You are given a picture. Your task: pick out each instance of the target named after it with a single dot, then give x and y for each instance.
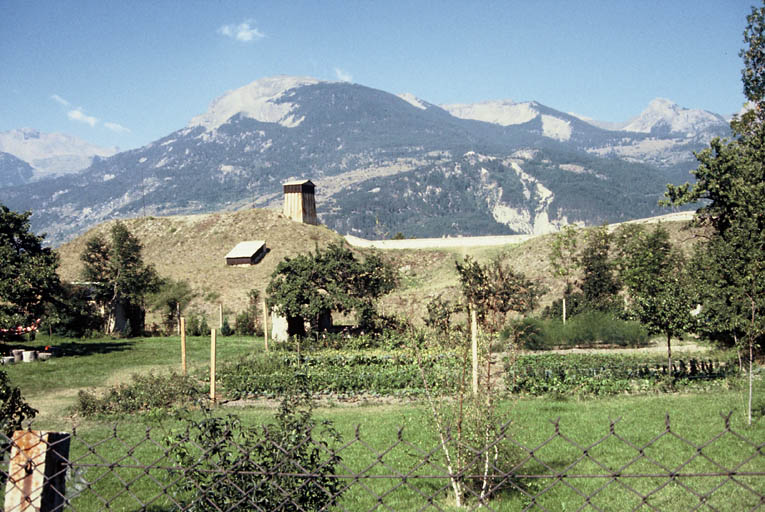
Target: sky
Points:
(125, 73)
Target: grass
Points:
(640, 420)
(51, 386)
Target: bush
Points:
(226, 329)
(144, 393)
(245, 323)
(589, 328)
(230, 466)
(196, 325)
(13, 409)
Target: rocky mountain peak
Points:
(262, 100)
(666, 116)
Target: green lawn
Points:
(379, 450)
(51, 386)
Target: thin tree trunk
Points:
(564, 309)
(751, 359)
(474, 346)
(669, 353)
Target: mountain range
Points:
(47, 154)
(382, 163)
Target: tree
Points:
(563, 258)
(28, 277)
(120, 279)
(247, 320)
(730, 183)
(171, 300)
(13, 409)
(599, 284)
(496, 289)
(656, 279)
(312, 286)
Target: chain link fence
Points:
(136, 468)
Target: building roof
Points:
(298, 182)
(246, 249)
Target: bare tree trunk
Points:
(669, 353)
(751, 359)
(474, 346)
(564, 309)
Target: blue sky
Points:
(124, 73)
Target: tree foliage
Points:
(496, 289)
(28, 277)
(119, 277)
(730, 184)
(599, 285)
(13, 409)
(170, 300)
(310, 286)
(563, 257)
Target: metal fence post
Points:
(37, 471)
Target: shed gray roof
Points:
(246, 249)
(298, 182)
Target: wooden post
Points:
(182, 326)
(474, 346)
(37, 471)
(212, 365)
(178, 316)
(265, 322)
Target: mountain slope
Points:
(51, 154)
(543, 170)
(14, 171)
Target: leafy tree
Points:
(171, 300)
(656, 278)
(599, 284)
(311, 286)
(730, 183)
(440, 312)
(70, 312)
(564, 260)
(120, 278)
(496, 289)
(247, 320)
(28, 277)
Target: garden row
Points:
(606, 374)
(343, 373)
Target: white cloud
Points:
(343, 75)
(58, 99)
(243, 32)
(78, 115)
(116, 127)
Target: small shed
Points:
(300, 201)
(246, 253)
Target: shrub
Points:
(226, 329)
(144, 393)
(230, 466)
(197, 325)
(245, 323)
(589, 328)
